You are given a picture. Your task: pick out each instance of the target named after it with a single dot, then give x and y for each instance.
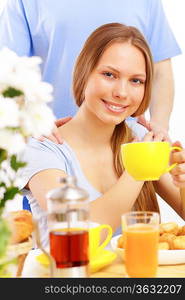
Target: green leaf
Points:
(2, 184)
(15, 164)
(3, 155)
(12, 92)
(11, 192)
(8, 195)
(4, 236)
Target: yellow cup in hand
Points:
(147, 160)
(95, 243)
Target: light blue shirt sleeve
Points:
(40, 156)
(160, 36)
(14, 29)
(138, 130)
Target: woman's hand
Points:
(155, 128)
(153, 137)
(178, 173)
(55, 135)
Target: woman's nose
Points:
(120, 90)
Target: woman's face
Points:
(115, 88)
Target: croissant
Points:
(171, 236)
(21, 225)
(181, 230)
(179, 242)
(168, 238)
(170, 227)
(163, 246)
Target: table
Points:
(117, 269)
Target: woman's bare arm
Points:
(106, 209)
(169, 192)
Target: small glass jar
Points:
(68, 216)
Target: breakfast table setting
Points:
(117, 269)
(109, 263)
(107, 258)
(111, 266)
(145, 247)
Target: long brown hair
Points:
(94, 47)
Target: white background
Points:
(175, 12)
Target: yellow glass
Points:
(147, 160)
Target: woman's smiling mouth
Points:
(114, 107)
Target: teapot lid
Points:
(69, 191)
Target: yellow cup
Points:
(147, 160)
(95, 243)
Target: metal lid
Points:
(68, 192)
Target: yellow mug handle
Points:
(108, 238)
(173, 165)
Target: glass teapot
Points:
(68, 215)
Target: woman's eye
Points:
(108, 74)
(137, 81)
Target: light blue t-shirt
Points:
(56, 30)
(48, 155)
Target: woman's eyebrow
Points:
(111, 68)
(143, 75)
(118, 71)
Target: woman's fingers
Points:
(177, 144)
(179, 184)
(178, 169)
(177, 156)
(54, 136)
(62, 121)
(135, 140)
(149, 137)
(155, 137)
(159, 130)
(178, 172)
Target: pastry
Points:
(163, 246)
(170, 227)
(121, 242)
(167, 237)
(181, 230)
(21, 225)
(171, 236)
(179, 242)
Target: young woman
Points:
(111, 81)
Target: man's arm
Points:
(162, 95)
(162, 98)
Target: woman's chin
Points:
(113, 121)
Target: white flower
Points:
(38, 92)
(29, 112)
(37, 119)
(4, 178)
(8, 169)
(9, 113)
(18, 181)
(24, 74)
(12, 142)
(12, 64)
(2, 191)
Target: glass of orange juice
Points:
(141, 234)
